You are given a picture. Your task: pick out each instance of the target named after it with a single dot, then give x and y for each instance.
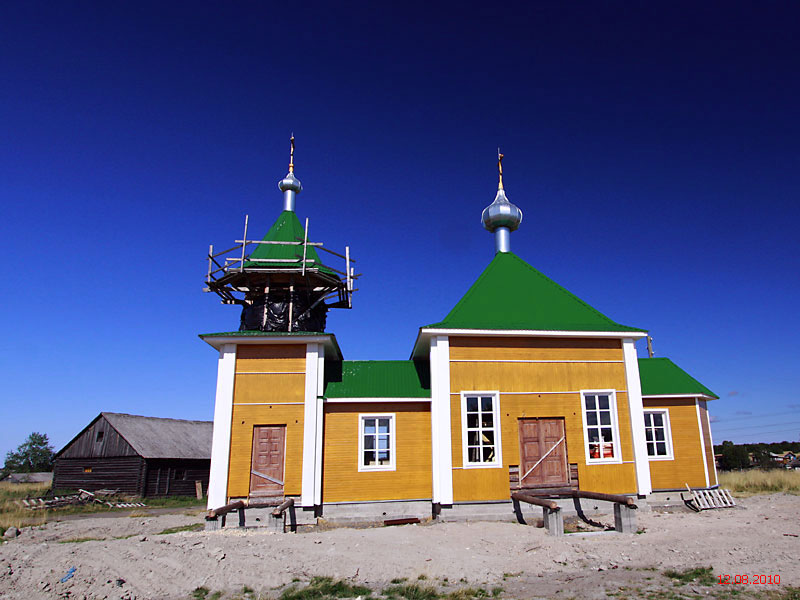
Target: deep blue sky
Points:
(653, 148)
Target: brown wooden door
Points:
(543, 453)
(266, 467)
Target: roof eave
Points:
(666, 396)
(422, 343)
(328, 340)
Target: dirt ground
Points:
(127, 557)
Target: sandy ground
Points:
(522, 560)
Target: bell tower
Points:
(280, 281)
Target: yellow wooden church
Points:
(546, 395)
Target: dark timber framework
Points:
(280, 294)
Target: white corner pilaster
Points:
(313, 351)
(221, 438)
(702, 440)
(711, 441)
(441, 435)
(636, 408)
(319, 426)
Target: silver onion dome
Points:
(501, 213)
(290, 185)
(501, 217)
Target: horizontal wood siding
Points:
(343, 482)
(706, 425)
(122, 473)
(175, 477)
(87, 446)
(252, 396)
(687, 466)
(489, 372)
(483, 348)
(537, 377)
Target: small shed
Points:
(40, 477)
(145, 456)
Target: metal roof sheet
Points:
(662, 377)
(287, 228)
(378, 379)
(511, 294)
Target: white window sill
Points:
(482, 466)
(604, 461)
(363, 469)
(660, 458)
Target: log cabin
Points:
(141, 456)
(521, 386)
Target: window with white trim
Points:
(600, 427)
(657, 434)
(480, 431)
(376, 446)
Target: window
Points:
(376, 447)
(99, 437)
(480, 435)
(600, 427)
(657, 434)
(87, 469)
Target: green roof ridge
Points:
(377, 379)
(495, 301)
(287, 228)
(662, 377)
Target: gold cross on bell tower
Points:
(291, 154)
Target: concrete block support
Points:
(276, 524)
(624, 518)
(553, 521)
(212, 524)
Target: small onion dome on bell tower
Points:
(290, 185)
(501, 217)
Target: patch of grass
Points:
(200, 593)
(422, 577)
(412, 591)
(700, 575)
(190, 527)
(13, 515)
(756, 481)
(325, 587)
(80, 540)
(474, 593)
(215, 596)
(397, 580)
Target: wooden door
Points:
(267, 464)
(543, 453)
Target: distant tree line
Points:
(744, 456)
(34, 455)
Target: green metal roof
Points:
(286, 229)
(662, 377)
(377, 379)
(511, 294)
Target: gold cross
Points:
(500, 168)
(291, 154)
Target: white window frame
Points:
(498, 453)
(392, 466)
(612, 405)
(667, 434)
